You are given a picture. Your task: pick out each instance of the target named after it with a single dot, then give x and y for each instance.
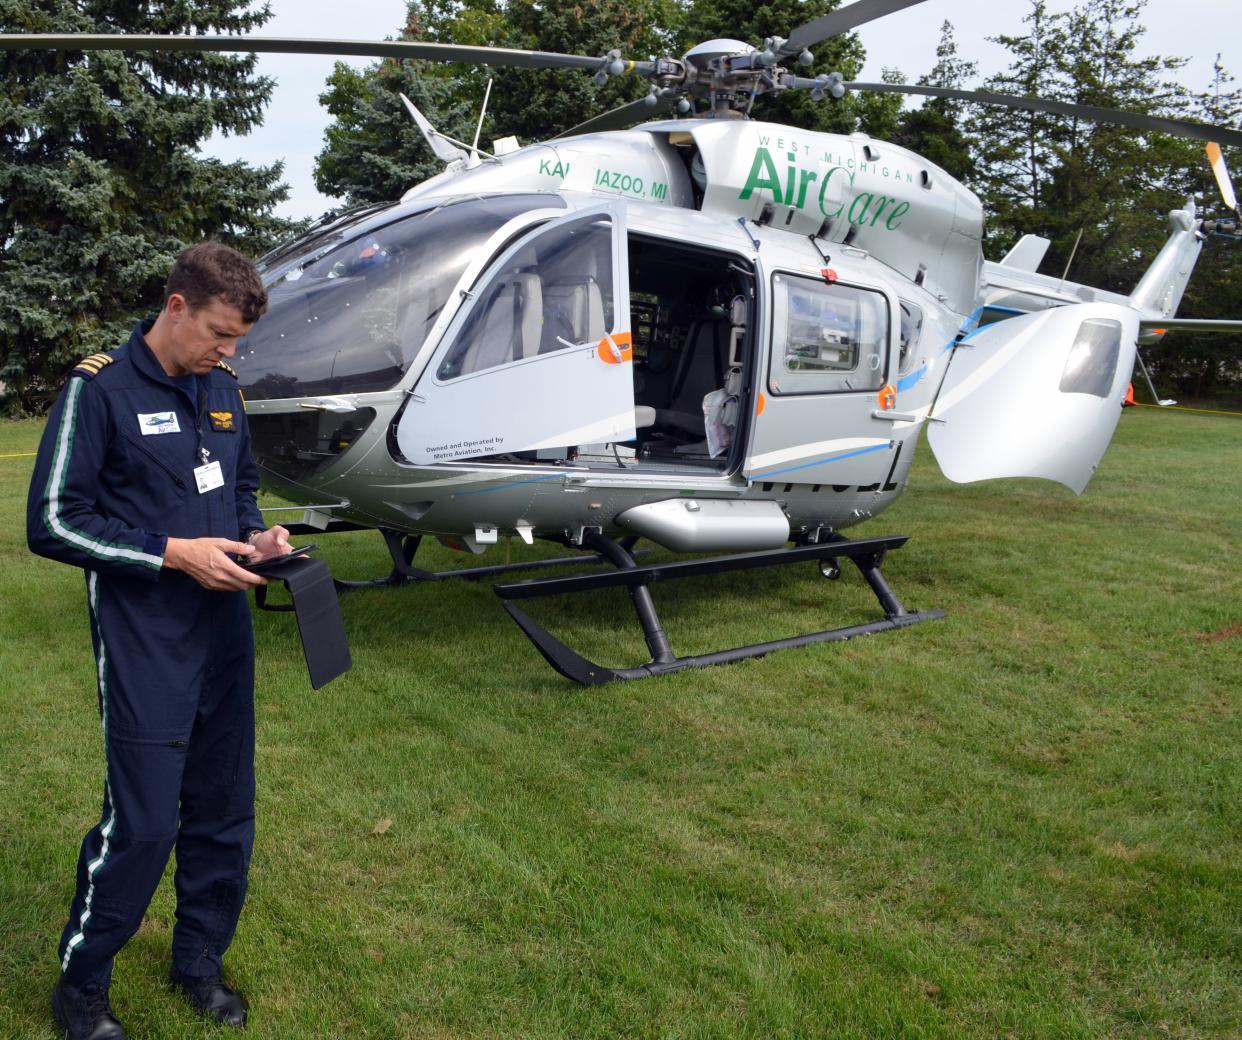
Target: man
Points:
(145, 479)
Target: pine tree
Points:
(373, 151)
(1208, 366)
(1109, 182)
(1098, 191)
(1102, 192)
(100, 183)
(1015, 158)
(934, 130)
(534, 104)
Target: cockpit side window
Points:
(911, 330)
(348, 313)
(553, 292)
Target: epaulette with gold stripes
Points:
(226, 368)
(89, 368)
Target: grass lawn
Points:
(1021, 821)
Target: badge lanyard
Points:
(208, 476)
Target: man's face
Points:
(200, 338)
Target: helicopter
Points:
(713, 333)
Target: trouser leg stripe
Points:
(105, 833)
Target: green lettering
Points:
(823, 190)
(807, 177)
(861, 214)
(763, 174)
(897, 212)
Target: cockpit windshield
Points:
(349, 306)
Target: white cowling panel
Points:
(1035, 396)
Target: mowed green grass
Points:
(1021, 821)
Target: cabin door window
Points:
(539, 360)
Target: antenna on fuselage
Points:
(450, 153)
(1073, 253)
(473, 161)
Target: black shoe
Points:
(210, 997)
(83, 1013)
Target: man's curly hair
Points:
(210, 270)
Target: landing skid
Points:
(866, 554)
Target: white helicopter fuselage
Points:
(713, 334)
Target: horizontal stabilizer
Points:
(1161, 325)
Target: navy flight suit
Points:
(113, 481)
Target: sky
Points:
(294, 122)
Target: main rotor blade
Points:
(622, 117)
(1176, 127)
(296, 45)
(841, 21)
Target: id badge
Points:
(209, 477)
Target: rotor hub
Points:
(707, 57)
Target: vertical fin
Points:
(1160, 289)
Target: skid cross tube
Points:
(402, 547)
(866, 554)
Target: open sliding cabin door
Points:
(814, 421)
(540, 358)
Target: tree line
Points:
(102, 183)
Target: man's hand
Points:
(271, 543)
(206, 560)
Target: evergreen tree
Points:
(100, 183)
(1015, 157)
(373, 151)
(534, 104)
(934, 130)
(1101, 192)
(1109, 182)
(1097, 190)
(1208, 366)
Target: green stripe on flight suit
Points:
(52, 520)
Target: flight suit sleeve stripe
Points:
(55, 523)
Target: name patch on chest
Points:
(222, 422)
(154, 423)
